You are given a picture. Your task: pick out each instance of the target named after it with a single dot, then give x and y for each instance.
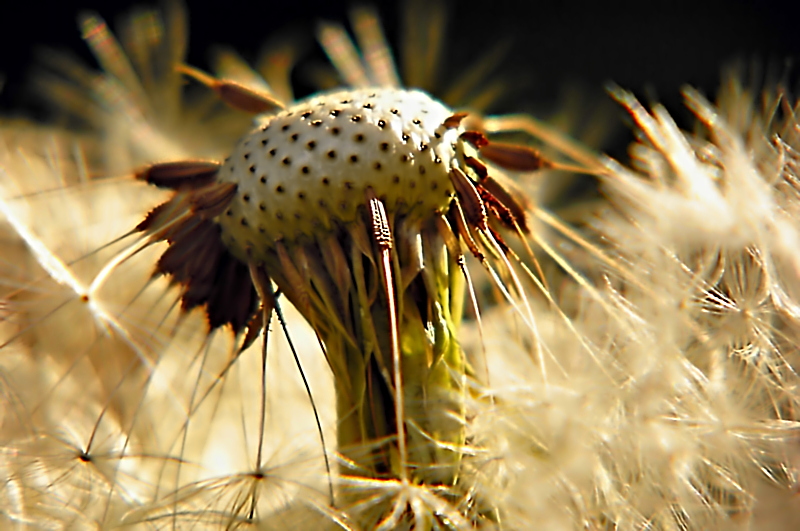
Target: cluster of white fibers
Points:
(116, 409)
(670, 399)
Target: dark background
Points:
(651, 47)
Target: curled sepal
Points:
(197, 259)
(512, 157)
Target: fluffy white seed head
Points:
(308, 167)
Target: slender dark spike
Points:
(219, 378)
(513, 157)
(282, 321)
(592, 163)
(95, 182)
(477, 166)
(511, 197)
(138, 294)
(101, 248)
(498, 210)
(463, 231)
(127, 440)
(470, 199)
(178, 322)
(382, 234)
(234, 94)
(180, 175)
(167, 220)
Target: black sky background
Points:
(650, 47)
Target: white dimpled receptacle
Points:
(308, 167)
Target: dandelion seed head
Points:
(307, 168)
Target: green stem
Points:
(433, 369)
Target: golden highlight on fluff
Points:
(187, 343)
